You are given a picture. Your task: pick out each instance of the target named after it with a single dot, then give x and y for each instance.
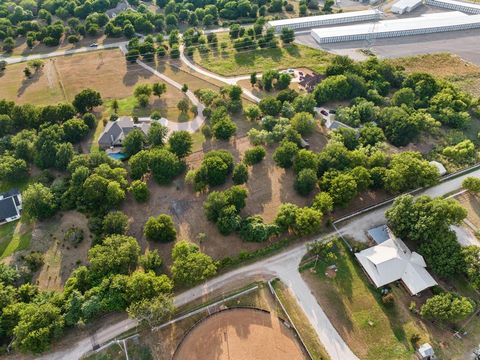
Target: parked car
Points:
(93, 45)
(324, 112)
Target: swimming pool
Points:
(118, 156)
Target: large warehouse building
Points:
(465, 7)
(425, 24)
(405, 6)
(322, 20)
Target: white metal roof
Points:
(306, 19)
(427, 21)
(406, 4)
(455, 3)
(392, 260)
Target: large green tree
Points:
(190, 266)
(38, 202)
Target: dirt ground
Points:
(472, 204)
(60, 256)
(240, 334)
(269, 186)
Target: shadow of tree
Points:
(26, 82)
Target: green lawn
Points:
(14, 236)
(229, 62)
(371, 329)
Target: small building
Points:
(392, 260)
(116, 131)
(463, 6)
(405, 6)
(425, 352)
(10, 206)
(441, 169)
(379, 234)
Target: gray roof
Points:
(379, 234)
(7, 208)
(115, 131)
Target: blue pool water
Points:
(118, 156)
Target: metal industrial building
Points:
(466, 7)
(405, 6)
(425, 24)
(322, 20)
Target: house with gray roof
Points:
(116, 131)
(10, 206)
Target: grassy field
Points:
(14, 236)
(229, 62)
(372, 330)
(301, 322)
(447, 66)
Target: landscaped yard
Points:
(372, 330)
(229, 62)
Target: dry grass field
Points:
(447, 66)
(269, 186)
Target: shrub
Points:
(254, 155)
(161, 228)
(140, 190)
(240, 174)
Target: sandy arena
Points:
(240, 334)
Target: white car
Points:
(93, 45)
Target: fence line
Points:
(274, 293)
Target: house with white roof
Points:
(391, 261)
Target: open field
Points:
(447, 66)
(269, 186)
(239, 334)
(301, 322)
(229, 62)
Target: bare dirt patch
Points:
(240, 334)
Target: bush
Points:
(74, 235)
(306, 181)
(34, 261)
(254, 229)
(140, 190)
(254, 155)
(161, 228)
(115, 222)
(240, 174)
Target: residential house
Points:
(116, 131)
(10, 206)
(391, 260)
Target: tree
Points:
(343, 189)
(270, 106)
(306, 181)
(252, 112)
(75, 130)
(287, 35)
(304, 103)
(253, 79)
(323, 202)
(408, 170)
(151, 261)
(324, 250)
(146, 285)
(404, 96)
(305, 159)
(38, 202)
(190, 266)
(12, 169)
(159, 89)
(86, 100)
(164, 165)
(304, 123)
(229, 220)
(362, 178)
(254, 155)
(218, 200)
(180, 143)
(285, 219)
(285, 154)
(240, 174)
(254, 229)
(161, 228)
(115, 222)
(308, 221)
(37, 326)
(27, 72)
(371, 135)
(471, 184)
(215, 168)
(423, 219)
(8, 44)
(447, 307)
(183, 106)
(117, 254)
(327, 6)
(139, 190)
(157, 134)
(224, 129)
(471, 257)
(154, 311)
(461, 153)
(139, 164)
(184, 88)
(64, 155)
